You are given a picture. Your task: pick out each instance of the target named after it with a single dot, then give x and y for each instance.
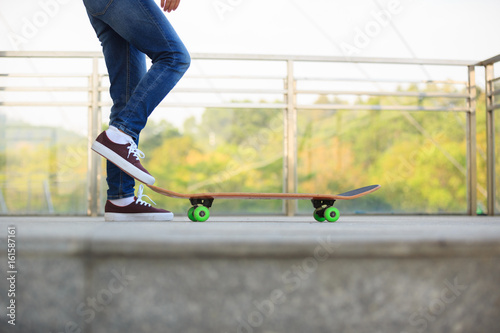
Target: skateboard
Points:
(322, 203)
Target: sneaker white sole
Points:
(122, 163)
(138, 217)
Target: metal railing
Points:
(290, 93)
(491, 106)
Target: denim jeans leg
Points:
(128, 29)
(143, 24)
(126, 67)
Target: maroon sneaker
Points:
(126, 157)
(137, 211)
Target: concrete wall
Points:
(357, 275)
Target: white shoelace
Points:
(132, 149)
(140, 194)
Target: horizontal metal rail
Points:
(489, 61)
(494, 92)
(303, 106)
(222, 91)
(495, 107)
(45, 89)
(338, 59)
(215, 105)
(382, 93)
(312, 78)
(378, 108)
(233, 77)
(43, 104)
(256, 57)
(49, 54)
(314, 92)
(43, 75)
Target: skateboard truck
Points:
(317, 203)
(200, 212)
(203, 202)
(324, 210)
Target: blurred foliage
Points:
(419, 158)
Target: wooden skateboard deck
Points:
(323, 203)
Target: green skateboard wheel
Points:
(332, 214)
(201, 213)
(190, 214)
(318, 216)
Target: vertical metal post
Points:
(290, 141)
(471, 143)
(94, 125)
(490, 139)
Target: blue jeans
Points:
(128, 31)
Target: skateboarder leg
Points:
(128, 31)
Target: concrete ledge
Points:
(259, 274)
(260, 236)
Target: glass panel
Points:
(43, 135)
(222, 150)
(43, 169)
(419, 159)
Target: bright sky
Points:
(447, 29)
(454, 29)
